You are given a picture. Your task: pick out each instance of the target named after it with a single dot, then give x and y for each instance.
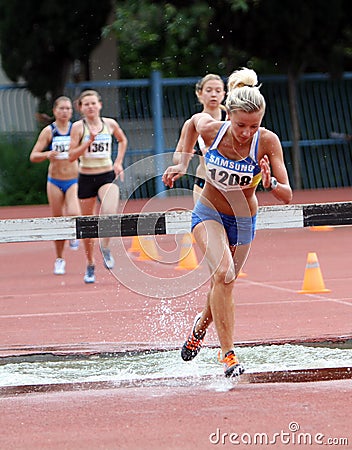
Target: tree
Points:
(292, 37)
(40, 39)
(172, 37)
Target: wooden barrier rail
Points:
(170, 222)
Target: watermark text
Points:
(292, 436)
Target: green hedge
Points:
(21, 182)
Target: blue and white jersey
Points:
(230, 174)
(60, 142)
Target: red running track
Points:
(41, 312)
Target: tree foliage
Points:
(180, 37)
(186, 38)
(39, 40)
(301, 37)
(172, 37)
(295, 37)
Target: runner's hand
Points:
(266, 172)
(173, 173)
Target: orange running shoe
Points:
(232, 368)
(192, 346)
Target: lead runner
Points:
(241, 153)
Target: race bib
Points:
(61, 144)
(100, 147)
(227, 174)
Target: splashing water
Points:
(150, 365)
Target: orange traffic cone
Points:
(313, 282)
(135, 245)
(242, 274)
(188, 257)
(321, 228)
(148, 249)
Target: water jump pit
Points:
(58, 370)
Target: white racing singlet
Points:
(229, 174)
(98, 154)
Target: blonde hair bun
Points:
(242, 77)
(243, 92)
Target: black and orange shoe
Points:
(192, 346)
(232, 368)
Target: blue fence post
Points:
(157, 104)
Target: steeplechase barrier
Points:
(161, 223)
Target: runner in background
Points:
(91, 144)
(210, 91)
(52, 144)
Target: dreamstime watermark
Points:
(292, 436)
